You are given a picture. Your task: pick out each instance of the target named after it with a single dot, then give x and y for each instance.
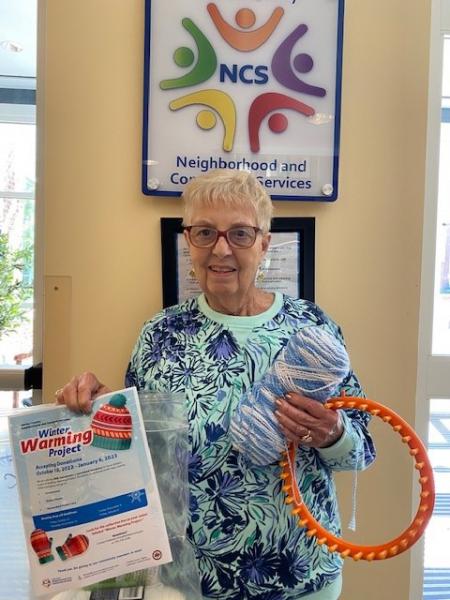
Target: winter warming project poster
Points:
(90, 504)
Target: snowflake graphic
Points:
(136, 496)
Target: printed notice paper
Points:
(87, 486)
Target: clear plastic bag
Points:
(166, 428)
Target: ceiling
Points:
(18, 28)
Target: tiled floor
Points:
(437, 537)
(436, 584)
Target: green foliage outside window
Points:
(15, 289)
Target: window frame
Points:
(433, 372)
(14, 377)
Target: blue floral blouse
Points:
(247, 543)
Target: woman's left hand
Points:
(307, 422)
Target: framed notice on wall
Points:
(247, 84)
(288, 266)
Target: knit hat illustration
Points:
(112, 426)
(42, 545)
(73, 546)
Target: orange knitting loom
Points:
(347, 549)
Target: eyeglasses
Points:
(237, 237)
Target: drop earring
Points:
(260, 276)
(192, 273)
(261, 272)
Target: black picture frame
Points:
(303, 235)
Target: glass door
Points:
(18, 310)
(17, 180)
(441, 313)
(433, 385)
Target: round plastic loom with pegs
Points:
(411, 534)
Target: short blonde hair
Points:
(230, 188)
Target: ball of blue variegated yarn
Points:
(314, 363)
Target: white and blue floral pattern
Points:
(247, 543)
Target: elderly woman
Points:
(215, 347)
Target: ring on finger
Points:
(58, 392)
(307, 437)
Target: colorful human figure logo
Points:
(206, 119)
(239, 38)
(303, 63)
(184, 57)
(287, 70)
(278, 122)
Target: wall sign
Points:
(247, 84)
(287, 268)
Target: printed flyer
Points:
(88, 493)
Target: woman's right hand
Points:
(80, 392)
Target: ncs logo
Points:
(243, 84)
(284, 65)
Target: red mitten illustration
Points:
(42, 545)
(73, 546)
